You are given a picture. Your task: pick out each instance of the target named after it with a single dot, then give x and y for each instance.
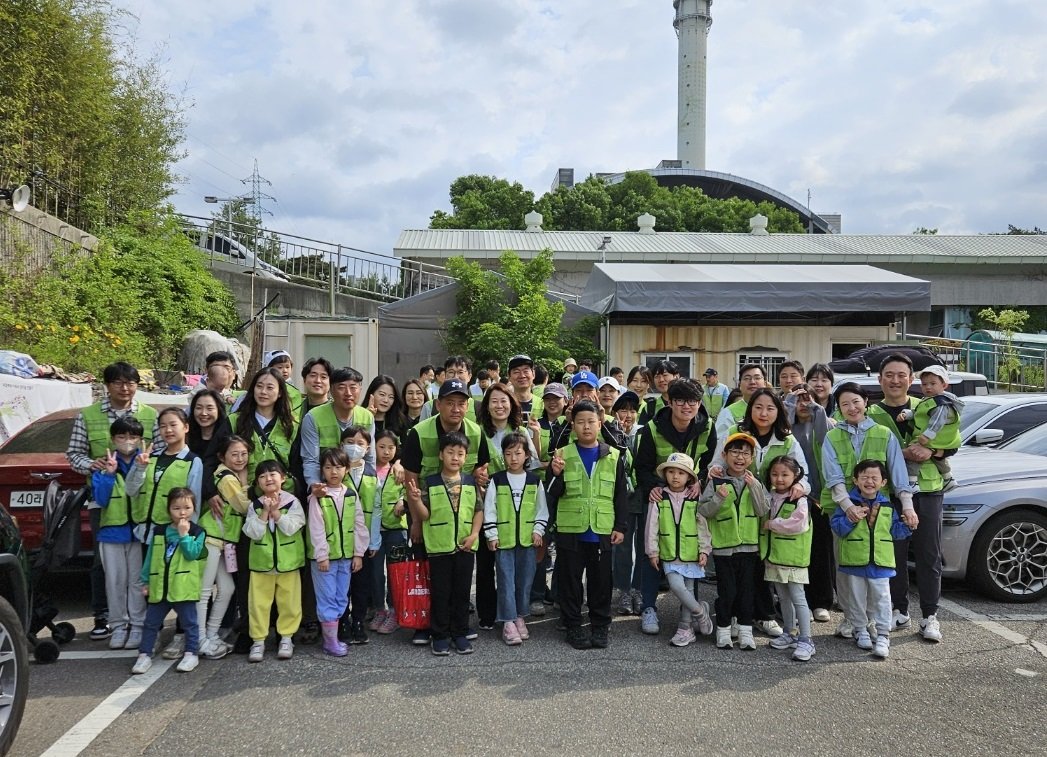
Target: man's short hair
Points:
(454, 360)
(748, 367)
(684, 389)
(665, 366)
(315, 361)
(896, 357)
(341, 375)
(219, 356)
(120, 371)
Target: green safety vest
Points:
(874, 447)
(862, 547)
(737, 410)
(150, 506)
(232, 521)
(274, 446)
(515, 527)
(295, 398)
(118, 511)
(949, 435)
(496, 461)
(649, 409)
(328, 427)
(663, 447)
(444, 531)
(275, 550)
(390, 494)
(545, 436)
(429, 442)
(176, 580)
(713, 403)
(340, 529)
(929, 479)
(97, 424)
(678, 540)
(587, 501)
(365, 493)
(788, 550)
(735, 523)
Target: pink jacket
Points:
(317, 534)
(705, 540)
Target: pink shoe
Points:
(521, 628)
(390, 624)
(510, 635)
(378, 619)
(331, 644)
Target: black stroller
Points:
(61, 543)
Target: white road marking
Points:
(1026, 673)
(101, 655)
(77, 738)
(984, 621)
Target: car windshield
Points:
(1032, 442)
(41, 436)
(973, 412)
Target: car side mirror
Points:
(987, 436)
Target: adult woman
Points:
(413, 398)
(820, 379)
(639, 380)
(384, 403)
(264, 418)
(208, 425)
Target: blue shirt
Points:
(102, 484)
(589, 457)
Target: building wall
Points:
(719, 346)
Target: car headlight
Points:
(956, 515)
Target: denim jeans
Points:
(628, 557)
(515, 569)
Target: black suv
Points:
(15, 607)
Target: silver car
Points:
(994, 527)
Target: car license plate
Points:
(26, 499)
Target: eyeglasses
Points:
(740, 452)
(689, 403)
(123, 384)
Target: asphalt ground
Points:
(983, 689)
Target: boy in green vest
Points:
(452, 516)
(170, 579)
(866, 531)
(936, 424)
(589, 503)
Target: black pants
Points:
(450, 579)
(99, 601)
(735, 578)
(573, 558)
(763, 600)
(927, 551)
(486, 594)
(361, 589)
(308, 595)
(822, 571)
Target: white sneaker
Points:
(134, 638)
(930, 629)
(745, 638)
(821, 615)
(863, 640)
(175, 649)
(257, 652)
(804, 650)
(119, 637)
(899, 620)
(142, 665)
(214, 648)
(723, 638)
(768, 627)
(286, 649)
(188, 663)
(883, 647)
(845, 630)
(784, 641)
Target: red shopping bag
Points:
(410, 580)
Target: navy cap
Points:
(452, 386)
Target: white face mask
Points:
(354, 451)
(127, 448)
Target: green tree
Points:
(500, 316)
(924, 231)
(1007, 322)
(484, 202)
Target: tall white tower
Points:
(693, 19)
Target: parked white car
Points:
(995, 419)
(222, 249)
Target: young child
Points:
(787, 555)
(388, 529)
(337, 542)
(277, 552)
(866, 531)
(628, 556)
(120, 552)
(223, 526)
(451, 522)
(515, 517)
(362, 479)
(936, 424)
(170, 579)
(678, 540)
(733, 506)
(590, 503)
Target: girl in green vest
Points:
(265, 419)
(388, 526)
(787, 554)
(678, 541)
(170, 578)
(866, 531)
(176, 466)
(515, 517)
(277, 553)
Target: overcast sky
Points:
(895, 113)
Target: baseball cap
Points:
(272, 355)
(682, 462)
(741, 436)
(628, 397)
(555, 390)
(938, 371)
(710, 372)
(610, 381)
(583, 377)
(452, 386)
(517, 360)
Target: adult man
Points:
(521, 378)
(896, 375)
(88, 452)
(420, 454)
(494, 374)
(682, 426)
(220, 375)
(715, 394)
(322, 426)
(456, 368)
(663, 373)
(750, 378)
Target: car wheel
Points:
(14, 674)
(1008, 559)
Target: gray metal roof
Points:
(671, 246)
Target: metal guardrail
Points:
(1011, 368)
(312, 262)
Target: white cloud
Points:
(362, 113)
